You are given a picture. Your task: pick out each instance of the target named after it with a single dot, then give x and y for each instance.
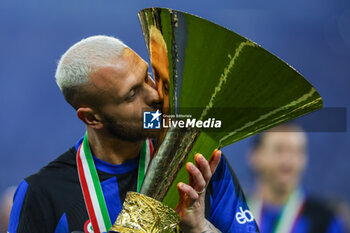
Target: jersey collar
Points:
(111, 168)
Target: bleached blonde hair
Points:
(84, 57)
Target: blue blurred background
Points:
(37, 124)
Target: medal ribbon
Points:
(289, 215)
(91, 187)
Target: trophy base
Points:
(142, 214)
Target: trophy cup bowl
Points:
(211, 74)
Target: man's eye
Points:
(131, 95)
(156, 74)
(166, 87)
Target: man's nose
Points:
(153, 98)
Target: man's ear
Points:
(89, 117)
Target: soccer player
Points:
(279, 203)
(107, 84)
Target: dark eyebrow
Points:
(155, 72)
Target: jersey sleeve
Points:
(228, 208)
(30, 211)
(336, 226)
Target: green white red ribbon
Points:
(290, 213)
(91, 187)
(145, 157)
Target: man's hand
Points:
(192, 196)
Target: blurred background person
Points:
(279, 203)
(6, 202)
(342, 209)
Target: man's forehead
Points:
(131, 54)
(285, 137)
(129, 62)
(120, 70)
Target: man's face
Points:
(124, 90)
(280, 159)
(160, 66)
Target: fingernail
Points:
(191, 166)
(201, 157)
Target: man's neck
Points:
(273, 196)
(112, 150)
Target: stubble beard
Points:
(128, 130)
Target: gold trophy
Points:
(208, 74)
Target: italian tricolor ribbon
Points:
(289, 216)
(91, 187)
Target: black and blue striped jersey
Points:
(52, 201)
